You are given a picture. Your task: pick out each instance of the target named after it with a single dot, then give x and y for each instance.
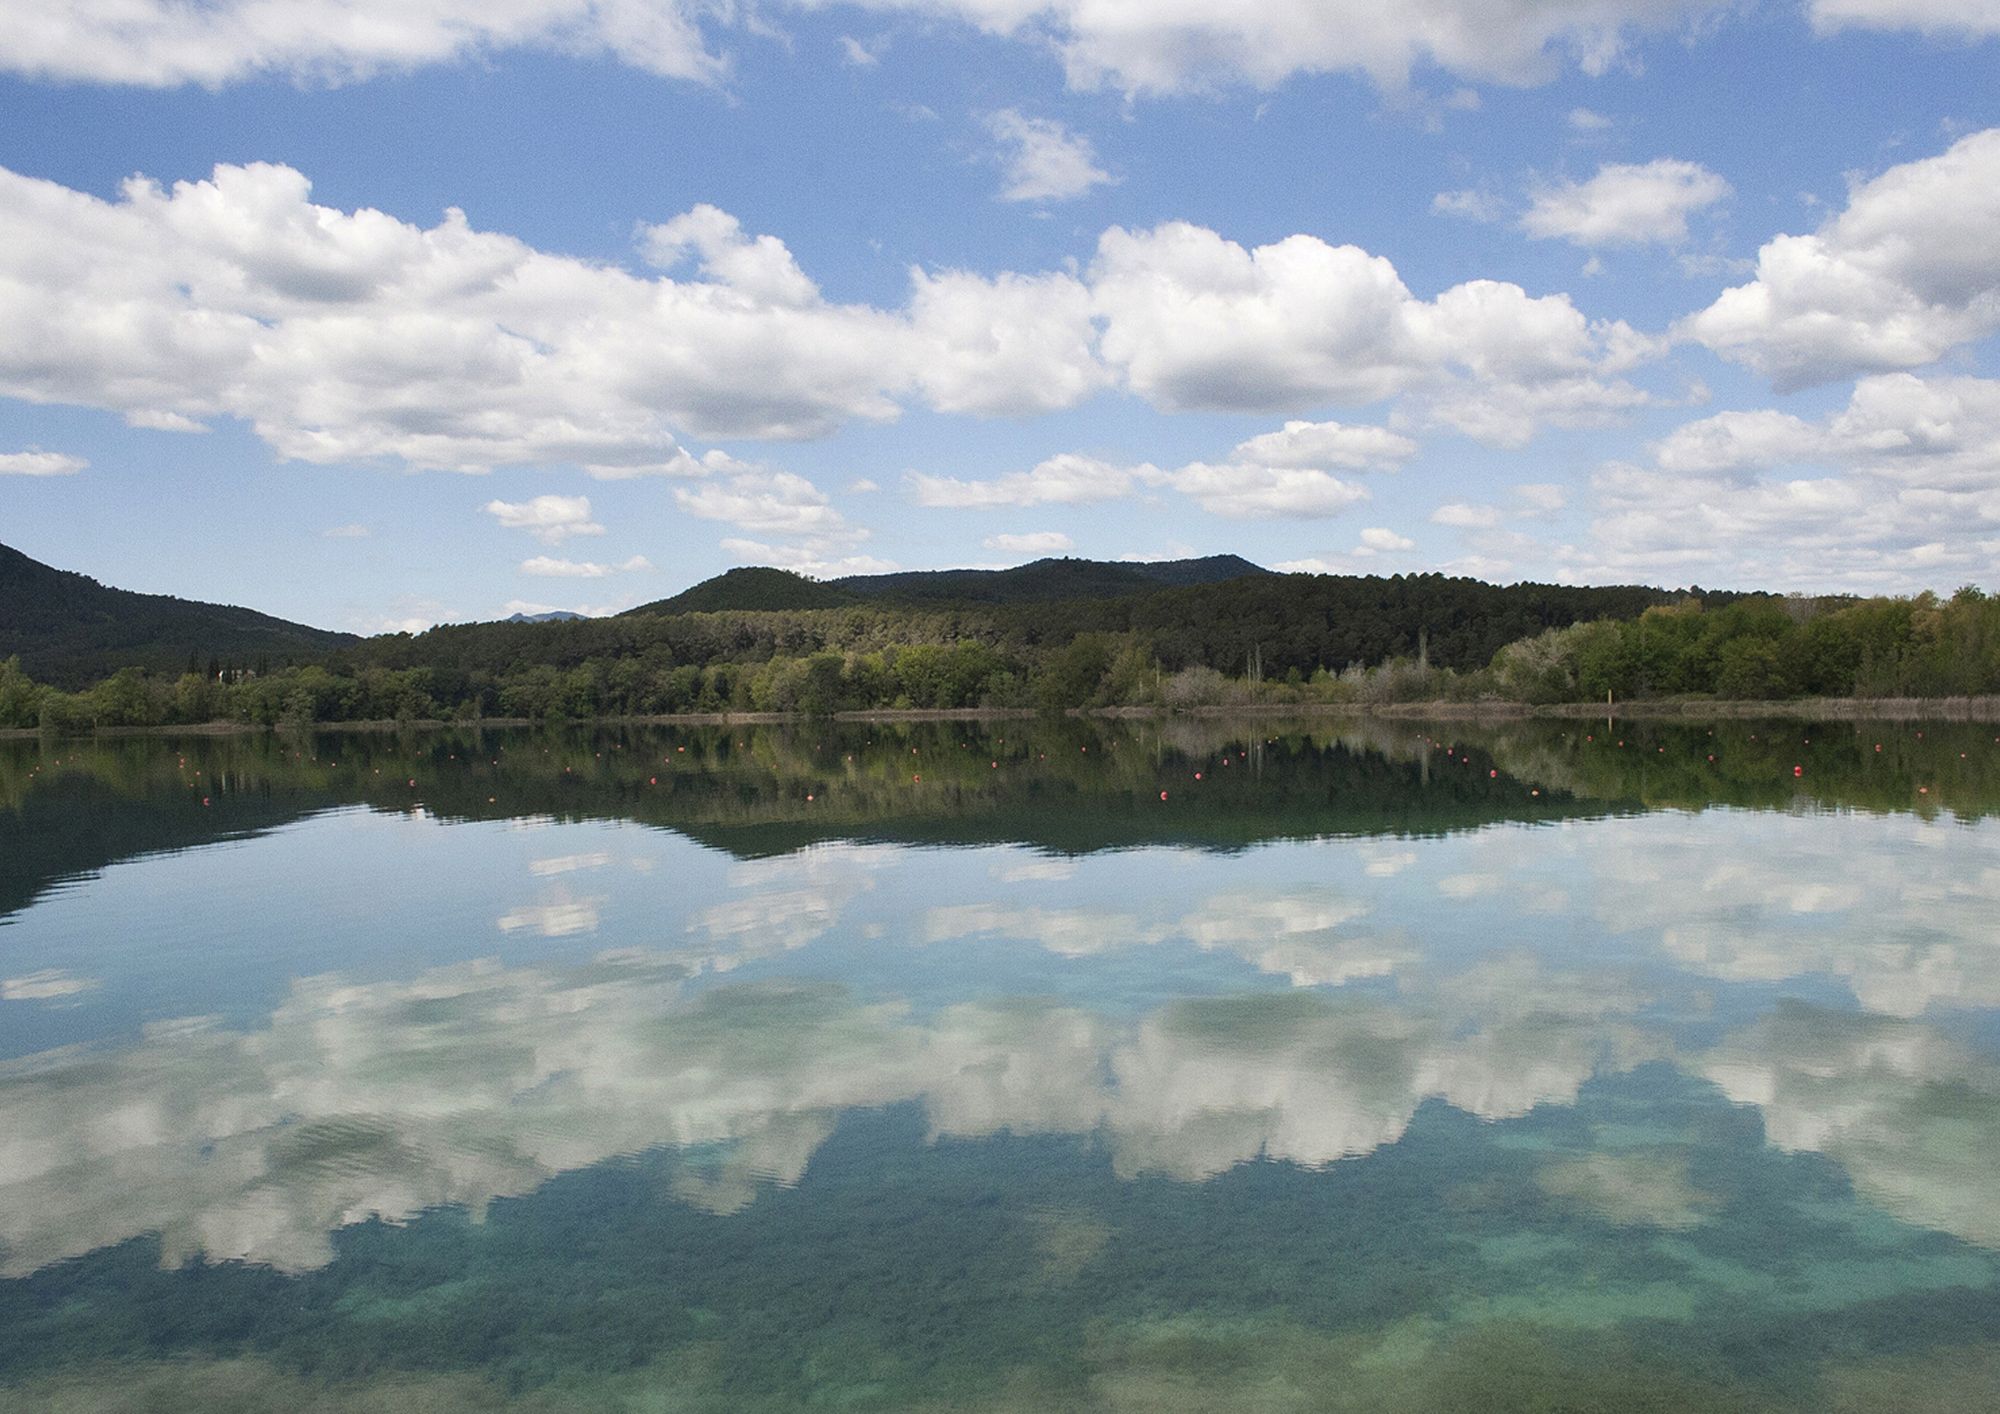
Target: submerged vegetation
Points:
(1262, 640)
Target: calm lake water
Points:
(1014, 1067)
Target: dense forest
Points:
(1052, 635)
(1263, 640)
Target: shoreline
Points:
(1945, 709)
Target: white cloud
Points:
(1585, 120)
(854, 52)
(1382, 541)
(1965, 19)
(1323, 444)
(1137, 46)
(679, 463)
(343, 336)
(806, 532)
(1897, 491)
(1194, 321)
(550, 568)
(1543, 495)
(1038, 542)
(862, 486)
(550, 519)
(158, 43)
(1010, 344)
(347, 532)
(1248, 491)
(1237, 489)
(40, 464)
(1042, 160)
(1625, 204)
(1907, 272)
(1063, 480)
(765, 503)
(1466, 516)
(1143, 46)
(1471, 204)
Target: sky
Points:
(376, 314)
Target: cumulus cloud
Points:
(1236, 489)
(1038, 542)
(1009, 344)
(1466, 515)
(1063, 480)
(550, 519)
(1895, 491)
(1195, 321)
(40, 464)
(158, 43)
(550, 568)
(1248, 491)
(1962, 19)
(342, 336)
(806, 532)
(1322, 444)
(1141, 46)
(1379, 540)
(1137, 46)
(772, 503)
(1907, 272)
(1041, 160)
(1625, 204)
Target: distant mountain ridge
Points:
(1041, 581)
(69, 630)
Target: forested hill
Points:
(67, 629)
(1043, 581)
(1264, 624)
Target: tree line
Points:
(1246, 642)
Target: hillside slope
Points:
(70, 630)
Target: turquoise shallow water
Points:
(1546, 1067)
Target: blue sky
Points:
(405, 311)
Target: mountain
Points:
(69, 630)
(1043, 581)
(553, 616)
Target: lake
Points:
(1011, 1066)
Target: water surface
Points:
(1025, 1067)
